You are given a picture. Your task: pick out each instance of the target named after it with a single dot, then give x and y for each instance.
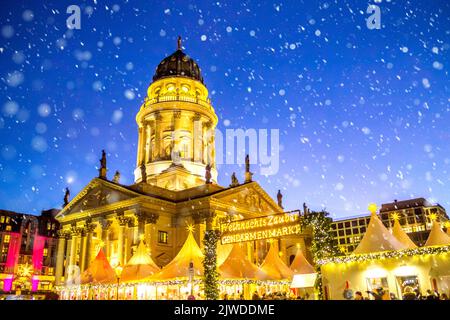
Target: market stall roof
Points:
(300, 265)
(400, 235)
(99, 271)
(223, 250)
(179, 266)
(275, 268)
(437, 236)
(377, 237)
(238, 266)
(140, 266)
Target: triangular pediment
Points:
(249, 196)
(97, 193)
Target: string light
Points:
(386, 255)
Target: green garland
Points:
(323, 244)
(386, 255)
(211, 276)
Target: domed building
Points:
(175, 184)
(176, 127)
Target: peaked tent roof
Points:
(179, 266)
(275, 268)
(400, 235)
(223, 251)
(378, 238)
(99, 271)
(300, 265)
(140, 265)
(238, 266)
(437, 236)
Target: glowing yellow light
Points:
(25, 270)
(395, 216)
(190, 228)
(447, 224)
(433, 217)
(372, 208)
(298, 245)
(141, 237)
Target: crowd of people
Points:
(409, 293)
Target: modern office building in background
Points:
(413, 215)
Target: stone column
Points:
(150, 221)
(197, 138)
(140, 148)
(60, 257)
(87, 255)
(158, 136)
(176, 133)
(68, 250)
(123, 221)
(83, 250)
(129, 239)
(74, 244)
(148, 147)
(250, 251)
(106, 224)
(258, 248)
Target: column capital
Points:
(177, 114)
(146, 216)
(196, 117)
(204, 216)
(123, 221)
(63, 234)
(76, 231)
(105, 224)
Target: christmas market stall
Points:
(279, 275)
(304, 276)
(139, 267)
(180, 278)
(389, 263)
(238, 275)
(94, 283)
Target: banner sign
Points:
(273, 226)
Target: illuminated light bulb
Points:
(395, 216)
(190, 228)
(433, 217)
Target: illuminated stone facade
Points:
(175, 152)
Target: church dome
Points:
(178, 64)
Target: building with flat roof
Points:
(413, 214)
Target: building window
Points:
(45, 252)
(2, 219)
(8, 228)
(162, 236)
(6, 239)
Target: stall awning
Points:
(378, 238)
(437, 236)
(300, 265)
(275, 268)
(140, 265)
(400, 235)
(179, 267)
(238, 266)
(99, 271)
